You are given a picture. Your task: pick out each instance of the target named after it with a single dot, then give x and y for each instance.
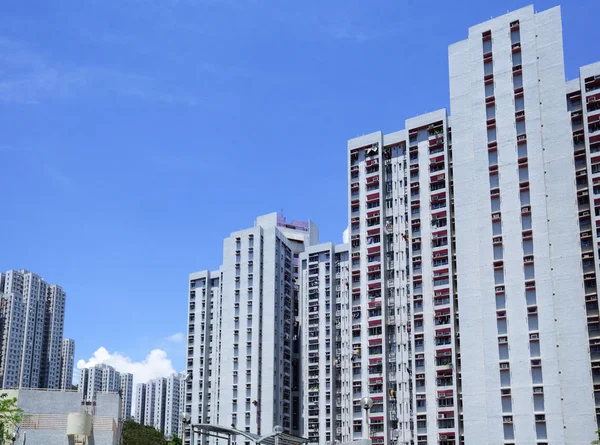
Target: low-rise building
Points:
(61, 417)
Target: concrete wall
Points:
(51, 409)
(542, 329)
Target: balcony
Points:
(592, 83)
(593, 98)
(436, 141)
(517, 70)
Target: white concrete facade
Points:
(149, 406)
(159, 404)
(243, 374)
(514, 206)
(160, 395)
(140, 403)
(323, 278)
(489, 247)
(403, 333)
(126, 390)
(67, 358)
(468, 311)
(175, 385)
(90, 382)
(583, 101)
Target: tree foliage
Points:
(136, 434)
(176, 440)
(10, 416)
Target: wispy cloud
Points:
(351, 28)
(347, 31)
(30, 77)
(41, 158)
(176, 338)
(15, 149)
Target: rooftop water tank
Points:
(79, 424)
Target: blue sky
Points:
(137, 134)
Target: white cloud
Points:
(30, 75)
(176, 337)
(346, 235)
(156, 364)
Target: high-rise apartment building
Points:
(515, 199)
(465, 302)
(149, 404)
(54, 322)
(66, 363)
(400, 306)
(32, 327)
(103, 378)
(140, 403)
(90, 382)
(182, 398)
(583, 101)
(175, 386)
(243, 351)
(126, 390)
(472, 300)
(481, 228)
(323, 280)
(159, 404)
(160, 396)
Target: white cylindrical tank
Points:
(79, 424)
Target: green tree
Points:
(136, 434)
(597, 441)
(10, 416)
(176, 440)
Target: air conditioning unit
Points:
(534, 336)
(504, 365)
